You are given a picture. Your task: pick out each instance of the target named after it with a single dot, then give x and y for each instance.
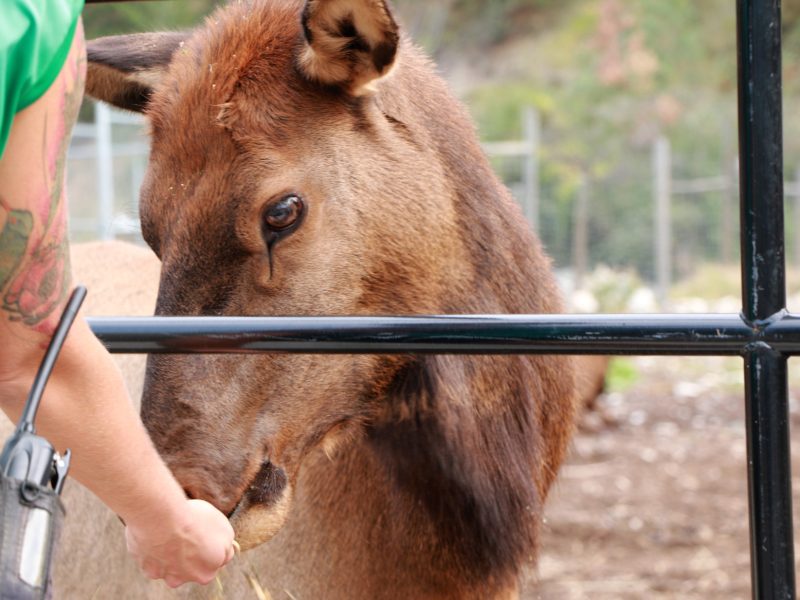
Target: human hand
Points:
(190, 549)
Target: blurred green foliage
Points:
(709, 281)
(621, 374)
(458, 24)
(130, 17)
(608, 78)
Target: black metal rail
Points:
(490, 334)
(764, 334)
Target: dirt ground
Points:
(652, 502)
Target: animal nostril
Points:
(193, 492)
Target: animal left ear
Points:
(349, 43)
(124, 69)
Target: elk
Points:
(307, 160)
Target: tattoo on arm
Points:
(33, 272)
(34, 253)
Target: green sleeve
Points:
(35, 39)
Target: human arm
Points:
(86, 407)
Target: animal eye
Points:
(284, 213)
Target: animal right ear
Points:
(124, 69)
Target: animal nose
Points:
(197, 492)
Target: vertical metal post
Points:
(531, 169)
(105, 170)
(662, 172)
(796, 210)
(764, 295)
(728, 208)
(580, 233)
(728, 197)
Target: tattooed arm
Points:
(86, 407)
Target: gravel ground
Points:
(652, 502)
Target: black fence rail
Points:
(765, 335)
(715, 335)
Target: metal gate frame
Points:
(764, 334)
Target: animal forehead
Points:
(238, 71)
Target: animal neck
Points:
(459, 441)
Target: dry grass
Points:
(260, 592)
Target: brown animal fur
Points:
(590, 379)
(443, 463)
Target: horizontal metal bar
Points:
(711, 334)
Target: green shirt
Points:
(35, 39)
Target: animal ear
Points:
(349, 43)
(124, 69)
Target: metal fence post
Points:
(530, 174)
(796, 215)
(580, 233)
(764, 296)
(105, 170)
(662, 168)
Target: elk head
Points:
(285, 178)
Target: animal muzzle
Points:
(264, 507)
